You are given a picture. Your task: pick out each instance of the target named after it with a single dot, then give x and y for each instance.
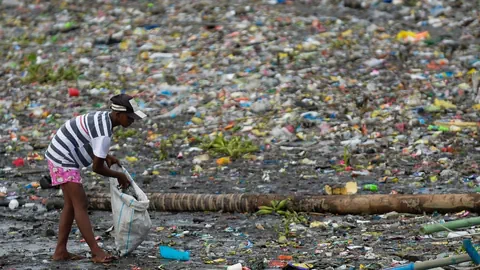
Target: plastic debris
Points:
(308, 95)
(173, 254)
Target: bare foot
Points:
(102, 257)
(66, 256)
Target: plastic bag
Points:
(131, 220)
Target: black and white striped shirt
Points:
(79, 139)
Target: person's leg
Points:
(79, 202)
(57, 175)
(64, 228)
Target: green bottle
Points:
(370, 187)
(443, 128)
(440, 128)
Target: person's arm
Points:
(100, 146)
(112, 160)
(100, 168)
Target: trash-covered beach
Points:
(295, 98)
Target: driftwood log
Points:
(336, 204)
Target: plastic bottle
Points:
(370, 187)
(439, 128)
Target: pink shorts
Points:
(63, 175)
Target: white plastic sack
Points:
(131, 221)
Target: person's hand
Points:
(112, 160)
(123, 181)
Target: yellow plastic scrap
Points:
(347, 33)
(457, 123)
(402, 35)
(302, 265)
(152, 136)
(318, 224)
(301, 136)
(476, 107)
(349, 189)
(375, 113)
(124, 45)
(131, 159)
(444, 104)
(384, 36)
(259, 133)
(144, 55)
(197, 120)
(412, 36)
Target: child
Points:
(80, 142)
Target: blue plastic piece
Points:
(410, 266)
(150, 27)
(173, 254)
(472, 252)
(166, 92)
